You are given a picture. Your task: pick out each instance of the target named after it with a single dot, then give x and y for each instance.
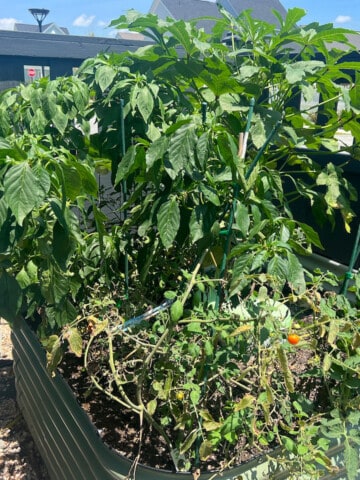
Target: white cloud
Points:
(101, 23)
(343, 19)
(83, 20)
(7, 23)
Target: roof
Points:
(261, 9)
(23, 44)
(26, 27)
(354, 39)
(127, 35)
(190, 9)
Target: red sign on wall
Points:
(31, 72)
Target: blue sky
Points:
(84, 17)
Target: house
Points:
(190, 9)
(50, 28)
(27, 56)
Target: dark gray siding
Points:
(59, 52)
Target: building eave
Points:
(24, 44)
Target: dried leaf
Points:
(54, 357)
(151, 407)
(246, 402)
(211, 425)
(189, 440)
(205, 450)
(327, 363)
(99, 327)
(333, 331)
(75, 341)
(241, 329)
(289, 380)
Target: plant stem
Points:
(118, 382)
(193, 276)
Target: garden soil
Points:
(19, 458)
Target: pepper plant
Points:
(187, 98)
(209, 141)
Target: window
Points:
(34, 72)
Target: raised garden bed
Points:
(72, 448)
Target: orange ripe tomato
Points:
(293, 338)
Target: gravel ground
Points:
(19, 458)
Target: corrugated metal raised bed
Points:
(70, 444)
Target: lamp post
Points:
(39, 14)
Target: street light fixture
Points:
(39, 14)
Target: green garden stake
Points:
(124, 189)
(236, 187)
(261, 151)
(232, 211)
(203, 112)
